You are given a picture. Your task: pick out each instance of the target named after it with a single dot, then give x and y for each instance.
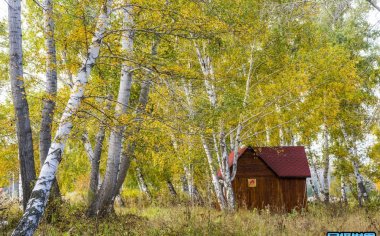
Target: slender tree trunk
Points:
(215, 181)
(51, 82)
(51, 91)
(362, 191)
(185, 186)
(315, 192)
(24, 131)
(326, 169)
(94, 158)
(314, 167)
(343, 190)
(209, 78)
(105, 196)
(95, 155)
(227, 178)
(125, 162)
(68, 72)
(187, 180)
(208, 73)
(171, 188)
(318, 188)
(37, 202)
(143, 187)
(88, 147)
(129, 153)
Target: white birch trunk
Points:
(248, 81)
(362, 192)
(187, 180)
(314, 168)
(40, 194)
(315, 192)
(70, 81)
(343, 190)
(215, 181)
(187, 90)
(316, 189)
(227, 179)
(143, 187)
(208, 73)
(126, 156)
(326, 168)
(209, 78)
(235, 144)
(105, 195)
(88, 147)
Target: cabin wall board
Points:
(278, 193)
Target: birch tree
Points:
(104, 198)
(23, 128)
(38, 199)
(51, 88)
(51, 81)
(326, 167)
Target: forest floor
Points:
(188, 220)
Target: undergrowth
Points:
(182, 219)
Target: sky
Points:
(3, 9)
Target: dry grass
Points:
(186, 220)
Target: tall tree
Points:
(51, 81)
(51, 87)
(24, 131)
(104, 198)
(39, 197)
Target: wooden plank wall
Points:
(279, 193)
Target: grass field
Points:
(188, 220)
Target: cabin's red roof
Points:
(288, 162)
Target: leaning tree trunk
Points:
(95, 162)
(24, 131)
(362, 191)
(37, 202)
(51, 90)
(105, 196)
(171, 188)
(141, 106)
(209, 78)
(95, 154)
(129, 153)
(214, 178)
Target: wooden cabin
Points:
(273, 177)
